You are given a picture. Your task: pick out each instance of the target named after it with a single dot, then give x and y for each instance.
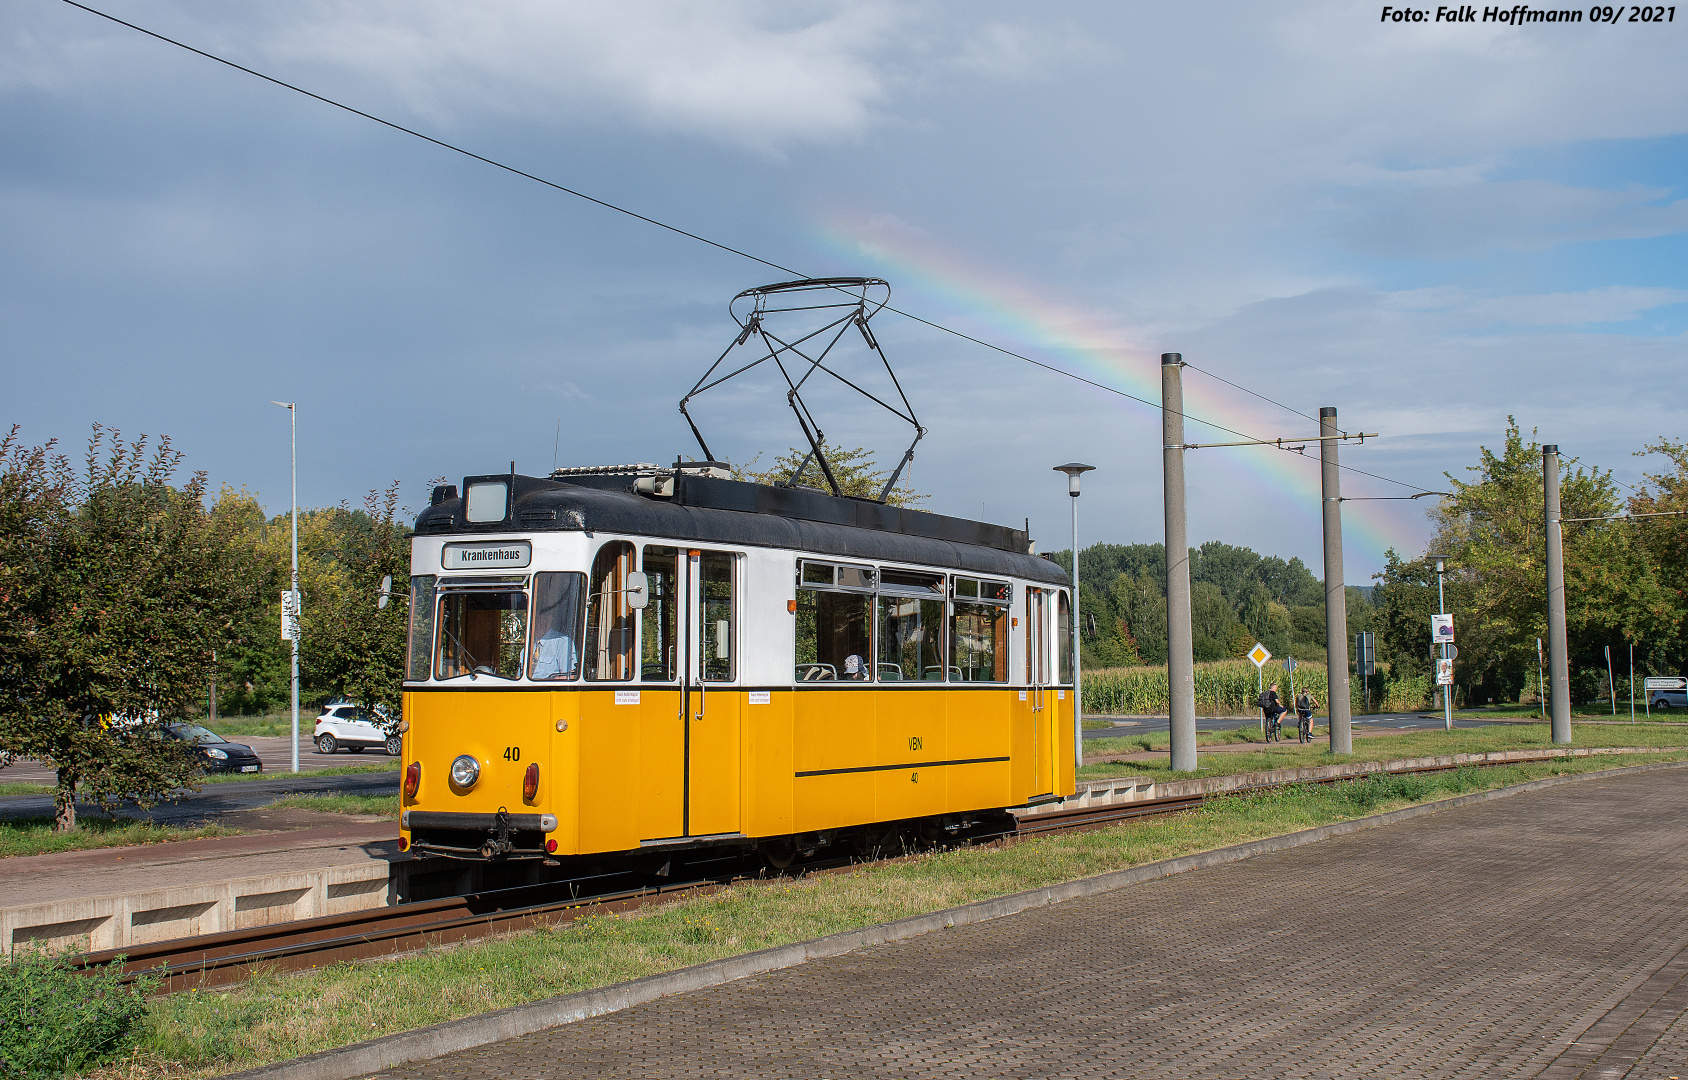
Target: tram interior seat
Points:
(935, 673)
(890, 673)
(816, 672)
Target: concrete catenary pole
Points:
(1180, 664)
(1336, 593)
(1558, 661)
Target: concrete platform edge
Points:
(375, 1055)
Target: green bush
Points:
(55, 1019)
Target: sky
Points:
(1430, 227)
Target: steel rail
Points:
(231, 956)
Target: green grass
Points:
(268, 724)
(35, 836)
(1598, 711)
(385, 805)
(379, 765)
(1284, 755)
(274, 1018)
(24, 787)
(1096, 725)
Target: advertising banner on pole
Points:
(1444, 673)
(1442, 629)
(289, 616)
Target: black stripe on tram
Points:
(910, 765)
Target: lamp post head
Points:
(1074, 470)
(288, 405)
(1440, 561)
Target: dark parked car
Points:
(220, 755)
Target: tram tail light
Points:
(551, 846)
(530, 783)
(412, 779)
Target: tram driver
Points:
(558, 611)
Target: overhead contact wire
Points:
(683, 232)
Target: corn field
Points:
(1230, 688)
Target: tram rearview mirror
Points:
(386, 596)
(638, 590)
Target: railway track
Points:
(221, 959)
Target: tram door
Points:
(711, 706)
(1038, 677)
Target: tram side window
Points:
(1063, 639)
(979, 631)
(718, 616)
(834, 628)
(660, 625)
(911, 626)
(420, 640)
(556, 626)
(609, 620)
(482, 632)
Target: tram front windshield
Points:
(483, 632)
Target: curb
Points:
(361, 1059)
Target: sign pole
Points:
(1259, 655)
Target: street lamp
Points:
(291, 601)
(1074, 470)
(1442, 608)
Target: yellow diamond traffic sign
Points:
(1259, 655)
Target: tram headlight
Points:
(465, 771)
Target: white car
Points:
(352, 728)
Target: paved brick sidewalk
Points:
(1540, 935)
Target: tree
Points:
(1491, 533)
(853, 469)
(1662, 599)
(349, 644)
(115, 611)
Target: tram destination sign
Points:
(482, 556)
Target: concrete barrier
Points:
(87, 924)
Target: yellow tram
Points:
(644, 659)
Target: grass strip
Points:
(274, 1018)
(24, 787)
(281, 773)
(1286, 755)
(382, 805)
(35, 836)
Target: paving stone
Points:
(1537, 936)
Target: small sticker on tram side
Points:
(1022, 695)
(1060, 695)
(627, 697)
(761, 697)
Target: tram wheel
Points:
(781, 853)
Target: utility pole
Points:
(1557, 658)
(293, 595)
(1336, 593)
(1074, 470)
(1180, 665)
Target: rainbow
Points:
(1085, 343)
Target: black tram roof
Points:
(706, 509)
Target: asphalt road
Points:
(213, 799)
(1148, 725)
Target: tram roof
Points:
(705, 509)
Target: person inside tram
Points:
(854, 668)
(557, 657)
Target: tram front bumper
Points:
(478, 836)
